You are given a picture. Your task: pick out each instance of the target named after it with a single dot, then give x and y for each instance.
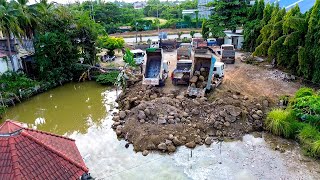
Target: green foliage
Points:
(110, 43)
(281, 122)
(308, 132)
(205, 30)
(128, 58)
(303, 92)
(3, 109)
(11, 82)
(192, 33)
(228, 14)
(108, 78)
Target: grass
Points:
(308, 133)
(315, 151)
(162, 21)
(281, 122)
(303, 92)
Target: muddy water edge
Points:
(83, 111)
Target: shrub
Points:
(315, 151)
(308, 133)
(307, 109)
(11, 82)
(108, 78)
(281, 122)
(303, 92)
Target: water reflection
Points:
(63, 110)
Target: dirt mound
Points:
(152, 120)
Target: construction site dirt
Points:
(163, 118)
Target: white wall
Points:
(3, 66)
(227, 40)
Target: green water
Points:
(64, 110)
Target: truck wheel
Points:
(161, 83)
(165, 48)
(174, 82)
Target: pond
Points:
(83, 111)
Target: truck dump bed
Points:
(152, 67)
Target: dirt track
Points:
(248, 79)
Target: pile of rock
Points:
(154, 121)
(199, 79)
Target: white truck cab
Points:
(138, 56)
(218, 69)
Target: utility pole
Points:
(136, 32)
(158, 18)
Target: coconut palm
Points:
(27, 17)
(9, 24)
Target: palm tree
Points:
(9, 24)
(27, 17)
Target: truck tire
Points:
(162, 83)
(174, 82)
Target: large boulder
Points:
(190, 144)
(208, 141)
(141, 115)
(122, 114)
(162, 146)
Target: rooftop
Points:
(32, 154)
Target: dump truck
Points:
(168, 44)
(184, 51)
(228, 54)
(182, 72)
(138, 56)
(155, 69)
(206, 74)
(196, 41)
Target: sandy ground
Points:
(248, 79)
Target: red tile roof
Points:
(31, 154)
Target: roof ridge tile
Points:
(47, 133)
(54, 150)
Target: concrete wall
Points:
(3, 66)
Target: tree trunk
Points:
(9, 49)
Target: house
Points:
(190, 12)
(234, 38)
(32, 154)
(204, 12)
(125, 28)
(139, 4)
(22, 52)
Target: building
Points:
(190, 12)
(22, 52)
(234, 38)
(204, 12)
(31, 154)
(139, 4)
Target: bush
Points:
(315, 151)
(281, 122)
(108, 78)
(11, 82)
(303, 92)
(307, 109)
(308, 133)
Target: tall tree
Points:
(9, 24)
(228, 14)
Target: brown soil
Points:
(153, 118)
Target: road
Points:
(155, 38)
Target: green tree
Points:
(228, 14)
(9, 24)
(192, 33)
(205, 30)
(110, 43)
